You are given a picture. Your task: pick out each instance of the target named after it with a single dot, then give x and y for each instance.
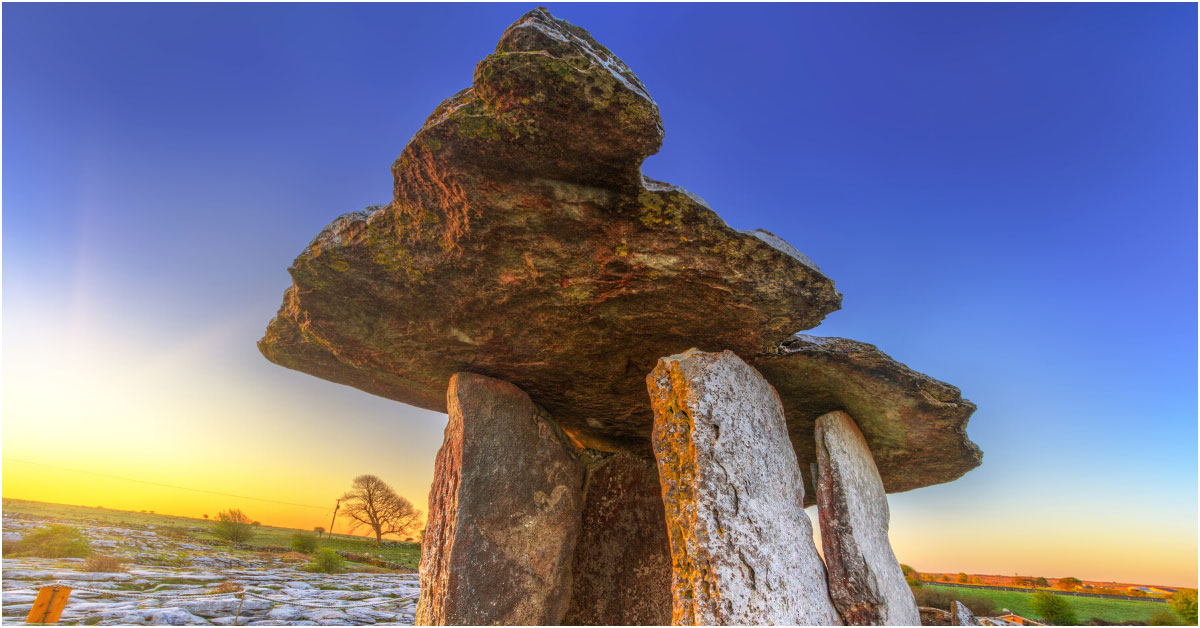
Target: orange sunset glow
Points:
(949, 246)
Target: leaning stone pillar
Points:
(865, 579)
(622, 569)
(503, 512)
(741, 543)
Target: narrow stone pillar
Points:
(622, 573)
(960, 615)
(504, 512)
(741, 544)
(865, 579)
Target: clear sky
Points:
(1005, 194)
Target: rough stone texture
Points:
(504, 512)
(865, 580)
(741, 543)
(522, 242)
(915, 425)
(622, 562)
(934, 616)
(960, 615)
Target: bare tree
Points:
(372, 503)
(233, 525)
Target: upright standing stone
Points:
(504, 512)
(865, 579)
(622, 572)
(741, 544)
(960, 615)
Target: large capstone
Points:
(914, 425)
(741, 543)
(504, 512)
(865, 580)
(522, 242)
(622, 569)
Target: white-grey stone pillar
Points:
(865, 579)
(741, 544)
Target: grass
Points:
(1085, 607)
(406, 554)
(56, 541)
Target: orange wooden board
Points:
(48, 606)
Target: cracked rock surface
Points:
(158, 560)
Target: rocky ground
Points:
(180, 573)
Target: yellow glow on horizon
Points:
(177, 415)
(173, 415)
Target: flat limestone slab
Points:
(622, 568)
(504, 512)
(915, 425)
(741, 542)
(522, 242)
(865, 580)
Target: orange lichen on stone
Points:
(677, 462)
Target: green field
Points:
(1085, 607)
(407, 554)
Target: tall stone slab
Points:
(504, 512)
(865, 579)
(622, 573)
(960, 615)
(741, 543)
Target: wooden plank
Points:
(40, 605)
(57, 604)
(48, 606)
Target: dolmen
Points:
(635, 425)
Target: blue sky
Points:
(1005, 194)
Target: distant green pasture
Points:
(1085, 607)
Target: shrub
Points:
(1053, 609)
(57, 541)
(304, 543)
(939, 598)
(1183, 602)
(227, 587)
(234, 526)
(911, 576)
(106, 564)
(1068, 583)
(1164, 617)
(326, 561)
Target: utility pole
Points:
(334, 520)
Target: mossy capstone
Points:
(523, 243)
